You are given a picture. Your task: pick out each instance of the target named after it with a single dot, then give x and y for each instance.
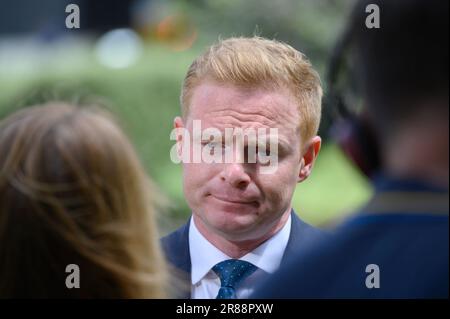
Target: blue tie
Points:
(231, 272)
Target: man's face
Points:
(235, 200)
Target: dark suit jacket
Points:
(176, 247)
(404, 231)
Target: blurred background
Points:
(132, 55)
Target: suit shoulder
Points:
(176, 247)
(176, 238)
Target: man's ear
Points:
(178, 122)
(179, 126)
(309, 157)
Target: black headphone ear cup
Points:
(358, 143)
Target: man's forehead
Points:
(235, 106)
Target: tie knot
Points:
(232, 271)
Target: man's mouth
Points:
(236, 201)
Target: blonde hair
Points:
(259, 62)
(72, 191)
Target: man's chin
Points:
(236, 228)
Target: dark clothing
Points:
(403, 231)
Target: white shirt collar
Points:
(205, 255)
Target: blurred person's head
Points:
(249, 83)
(402, 69)
(72, 191)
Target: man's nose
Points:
(235, 175)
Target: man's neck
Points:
(421, 154)
(238, 248)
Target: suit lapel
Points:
(176, 249)
(302, 234)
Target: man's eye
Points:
(212, 146)
(263, 151)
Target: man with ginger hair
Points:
(242, 225)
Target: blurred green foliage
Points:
(145, 96)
